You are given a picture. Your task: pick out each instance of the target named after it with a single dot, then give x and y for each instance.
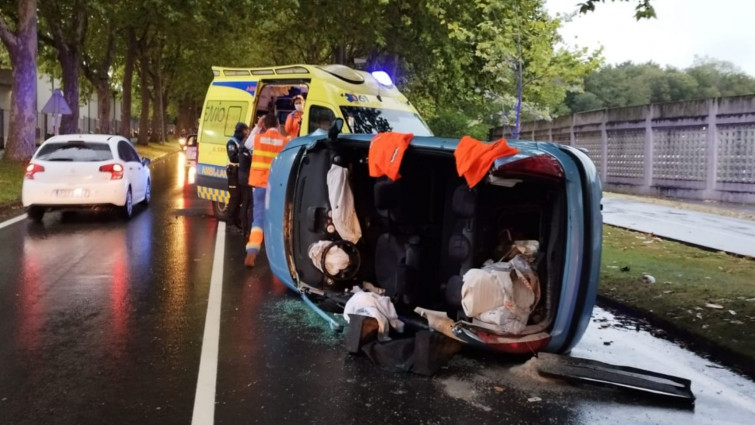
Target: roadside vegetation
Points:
(706, 293)
(11, 177)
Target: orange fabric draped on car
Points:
(267, 146)
(387, 152)
(474, 158)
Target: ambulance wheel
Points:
(220, 209)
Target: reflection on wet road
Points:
(102, 321)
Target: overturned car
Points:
(507, 260)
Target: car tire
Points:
(127, 210)
(35, 213)
(147, 193)
(220, 209)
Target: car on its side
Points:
(76, 171)
(422, 233)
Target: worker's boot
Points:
(249, 260)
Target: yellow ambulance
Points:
(367, 102)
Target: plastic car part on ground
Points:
(501, 294)
(423, 353)
(624, 377)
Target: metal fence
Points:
(698, 149)
(45, 126)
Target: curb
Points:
(699, 345)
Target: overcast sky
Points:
(721, 29)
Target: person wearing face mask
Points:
(293, 120)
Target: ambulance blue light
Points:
(383, 78)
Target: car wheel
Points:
(127, 210)
(220, 209)
(36, 213)
(147, 193)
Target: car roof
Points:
(340, 76)
(88, 138)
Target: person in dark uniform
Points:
(233, 148)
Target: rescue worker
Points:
(293, 120)
(266, 147)
(245, 191)
(233, 149)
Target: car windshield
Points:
(372, 120)
(75, 151)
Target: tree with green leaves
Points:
(630, 84)
(643, 8)
(18, 32)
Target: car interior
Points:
(278, 98)
(422, 232)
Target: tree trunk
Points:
(22, 47)
(164, 116)
(144, 118)
(69, 62)
(128, 76)
(103, 105)
(158, 123)
(155, 137)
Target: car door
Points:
(133, 169)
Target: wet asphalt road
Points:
(101, 322)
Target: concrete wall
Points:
(702, 149)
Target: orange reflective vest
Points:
(293, 121)
(267, 146)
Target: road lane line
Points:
(12, 221)
(204, 399)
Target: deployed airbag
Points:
(336, 258)
(341, 200)
(502, 294)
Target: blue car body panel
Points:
(583, 231)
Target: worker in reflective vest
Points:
(266, 147)
(293, 120)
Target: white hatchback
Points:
(82, 171)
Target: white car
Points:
(83, 171)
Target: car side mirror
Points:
(335, 129)
(146, 161)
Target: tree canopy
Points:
(630, 84)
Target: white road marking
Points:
(12, 221)
(204, 399)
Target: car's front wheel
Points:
(35, 213)
(127, 210)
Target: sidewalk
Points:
(684, 222)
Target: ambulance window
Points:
(232, 118)
(320, 117)
(374, 120)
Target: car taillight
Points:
(32, 169)
(543, 165)
(115, 170)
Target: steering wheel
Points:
(355, 260)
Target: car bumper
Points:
(61, 195)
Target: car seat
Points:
(397, 251)
(461, 243)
